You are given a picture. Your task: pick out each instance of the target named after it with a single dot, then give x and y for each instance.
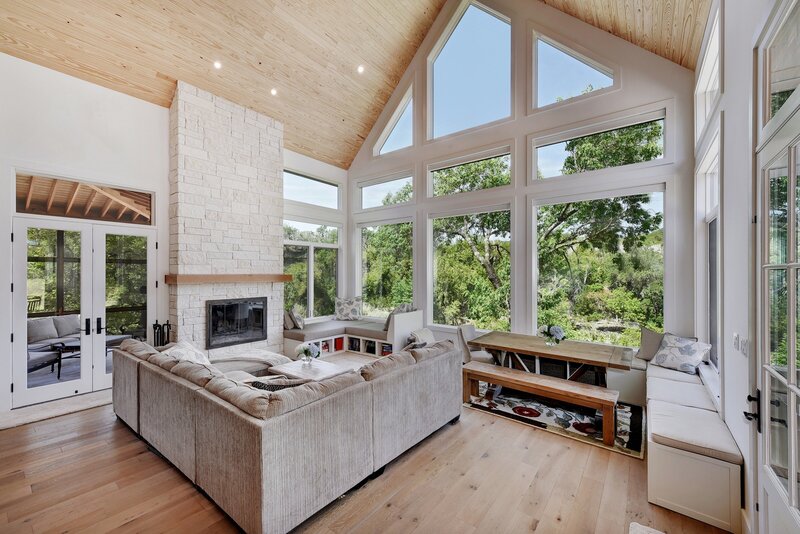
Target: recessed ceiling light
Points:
(360, 69)
(273, 91)
(217, 65)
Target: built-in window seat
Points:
(366, 336)
(693, 462)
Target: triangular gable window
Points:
(400, 127)
(562, 74)
(472, 73)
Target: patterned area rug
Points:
(583, 424)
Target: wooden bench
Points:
(550, 387)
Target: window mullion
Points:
(310, 283)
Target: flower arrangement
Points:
(307, 351)
(554, 334)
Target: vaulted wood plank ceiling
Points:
(308, 51)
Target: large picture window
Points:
(311, 248)
(601, 267)
(387, 267)
(612, 148)
(472, 270)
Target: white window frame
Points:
(431, 253)
(567, 46)
(494, 151)
(359, 263)
(358, 201)
(647, 114)
(312, 246)
(709, 71)
(434, 54)
(393, 120)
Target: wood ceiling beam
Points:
(72, 197)
(89, 203)
(109, 203)
(29, 197)
(51, 197)
(119, 199)
(121, 212)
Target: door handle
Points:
(88, 327)
(99, 325)
(755, 416)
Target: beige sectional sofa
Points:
(273, 459)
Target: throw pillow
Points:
(183, 350)
(288, 322)
(349, 309)
(41, 329)
(423, 335)
(402, 308)
(279, 383)
(681, 354)
(297, 319)
(67, 325)
(649, 344)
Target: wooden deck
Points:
(484, 474)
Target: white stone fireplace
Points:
(226, 211)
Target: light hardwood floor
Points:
(88, 471)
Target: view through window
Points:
(387, 267)
(601, 267)
(387, 193)
(472, 270)
(306, 243)
(401, 135)
(310, 191)
(561, 75)
(472, 176)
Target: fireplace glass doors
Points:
(235, 321)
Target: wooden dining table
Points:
(580, 356)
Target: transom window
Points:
(621, 146)
(400, 132)
(562, 74)
(471, 74)
(485, 173)
(388, 193)
(311, 248)
(783, 62)
(301, 188)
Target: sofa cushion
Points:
(67, 324)
(649, 343)
(138, 348)
(41, 328)
(656, 371)
(318, 330)
(680, 353)
(691, 429)
(196, 373)
(683, 393)
(265, 404)
(47, 344)
(183, 350)
(367, 329)
(387, 364)
(639, 364)
(114, 340)
(431, 351)
(165, 361)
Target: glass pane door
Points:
(124, 289)
(51, 302)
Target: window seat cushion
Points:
(682, 393)
(655, 371)
(319, 330)
(367, 329)
(693, 430)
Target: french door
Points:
(779, 350)
(80, 289)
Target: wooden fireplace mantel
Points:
(175, 279)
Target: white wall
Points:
(645, 82)
(54, 124)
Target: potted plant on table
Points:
(307, 352)
(554, 334)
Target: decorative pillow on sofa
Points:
(387, 364)
(402, 308)
(349, 309)
(183, 350)
(67, 325)
(649, 344)
(288, 322)
(196, 373)
(140, 349)
(278, 384)
(681, 354)
(423, 335)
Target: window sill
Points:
(711, 379)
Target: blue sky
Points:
(472, 74)
(561, 75)
(304, 189)
(401, 135)
(373, 195)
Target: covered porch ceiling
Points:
(309, 52)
